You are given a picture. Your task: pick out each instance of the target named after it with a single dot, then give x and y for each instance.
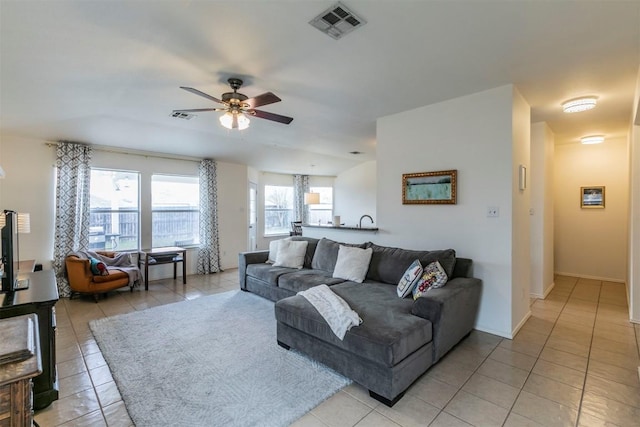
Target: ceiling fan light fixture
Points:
(226, 120)
(592, 139)
(579, 104)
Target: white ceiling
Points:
(108, 72)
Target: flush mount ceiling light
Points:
(593, 139)
(579, 104)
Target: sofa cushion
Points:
(290, 254)
(388, 264)
(267, 272)
(326, 254)
(352, 263)
(114, 274)
(388, 333)
(302, 280)
(433, 276)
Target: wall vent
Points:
(337, 21)
(182, 115)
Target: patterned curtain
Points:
(72, 206)
(300, 186)
(209, 251)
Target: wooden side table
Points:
(167, 255)
(16, 396)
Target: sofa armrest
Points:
(452, 310)
(78, 272)
(246, 258)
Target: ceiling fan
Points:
(238, 106)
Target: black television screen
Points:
(10, 257)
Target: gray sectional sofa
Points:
(399, 338)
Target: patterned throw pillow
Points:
(409, 279)
(98, 268)
(433, 276)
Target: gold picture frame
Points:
(592, 197)
(430, 188)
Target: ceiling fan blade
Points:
(260, 100)
(202, 94)
(271, 116)
(196, 110)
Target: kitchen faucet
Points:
(364, 216)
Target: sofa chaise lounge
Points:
(398, 339)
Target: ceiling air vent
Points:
(337, 21)
(181, 115)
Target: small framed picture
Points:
(429, 188)
(592, 197)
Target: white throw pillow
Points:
(291, 253)
(352, 263)
(273, 250)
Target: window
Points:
(114, 222)
(175, 210)
(323, 212)
(278, 209)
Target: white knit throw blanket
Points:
(333, 309)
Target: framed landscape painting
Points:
(592, 197)
(429, 188)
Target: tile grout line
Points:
(555, 322)
(593, 333)
(463, 384)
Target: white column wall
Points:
(541, 179)
(633, 275)
(475, 135)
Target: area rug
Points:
(211, 361)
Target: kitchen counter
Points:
(342, 227)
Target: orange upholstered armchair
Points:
(83, 281)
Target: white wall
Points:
(30, 187)
(634, 212)
(475, 135)
(355, 194)
(521, 204)
(592, 243)
(541, 180)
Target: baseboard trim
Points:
(494, 332)
(546, 292)
(521, 324)
(586, 276)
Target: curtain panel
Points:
(73, 163)
(300, 186)
(209, 251)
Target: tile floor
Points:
(574, 363)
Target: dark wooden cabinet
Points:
(16, 397)
(40, 298)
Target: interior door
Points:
(253, 216)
